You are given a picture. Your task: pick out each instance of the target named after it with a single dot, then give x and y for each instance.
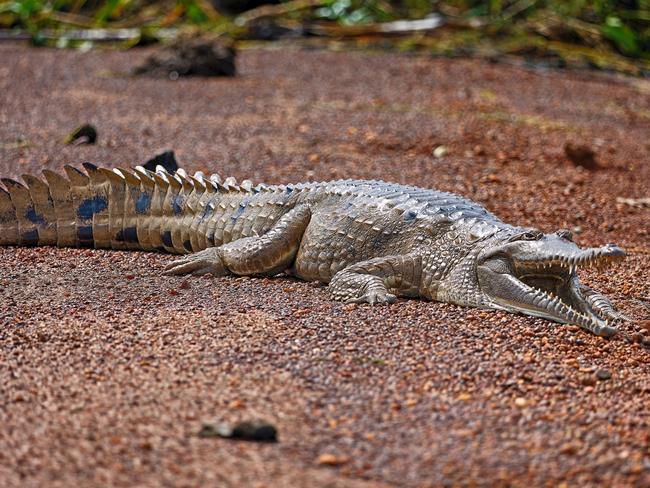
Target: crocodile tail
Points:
(103, 208)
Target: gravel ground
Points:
(109, 369)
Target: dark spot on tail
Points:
(167, 238)
(91, 206)
(130, 234)
(207, 211)
(177, 205)
(34, 217)
(85, 235)
(29, 238)
(143, 203)
(240, 210)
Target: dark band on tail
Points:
(118, 209)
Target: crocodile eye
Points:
(533, 235)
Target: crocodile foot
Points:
(200, 263)
(374, 297)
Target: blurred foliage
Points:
(624, 23)
(621, 27)
(37, 14)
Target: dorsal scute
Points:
(76, 177)
(161, 170)
(197, 184)
(246, 185)
(130, 177)
(230, 184)
(188, 184)
(146, 176)
(175, 182)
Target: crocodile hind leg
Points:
(378, 280)
(268, 254)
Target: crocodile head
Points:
(536, 274)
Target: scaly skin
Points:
(371, 241)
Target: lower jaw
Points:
(532, 313)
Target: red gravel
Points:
(108, 369)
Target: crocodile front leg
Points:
(268, 254)
(377, 280)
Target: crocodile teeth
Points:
(599, 258)
(548, 301)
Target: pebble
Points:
(331, 460)
(581, 155)
(248, 430)
(84, 134)
(603, 374)
(440, 152)
(521, 402)
(588, 380)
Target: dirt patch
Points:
(110, 369)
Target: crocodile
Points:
(372, 241)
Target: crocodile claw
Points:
(375, 297)
(200, 263)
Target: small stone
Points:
(185, 285)
(464, 397)
(250, 430)
(521, 402)
(411, 402)
(603, 374)
(644, 324)
(146, 446)
(84, 134)
(588, 380)
(581, 155)
(236, 404)
(331, 460)
(569, 448)
(440, 152)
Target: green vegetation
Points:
(625, 24)
(605, 33)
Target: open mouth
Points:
(549, 287)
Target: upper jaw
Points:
(522, 277)
(595, 257)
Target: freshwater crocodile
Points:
(371, 241)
